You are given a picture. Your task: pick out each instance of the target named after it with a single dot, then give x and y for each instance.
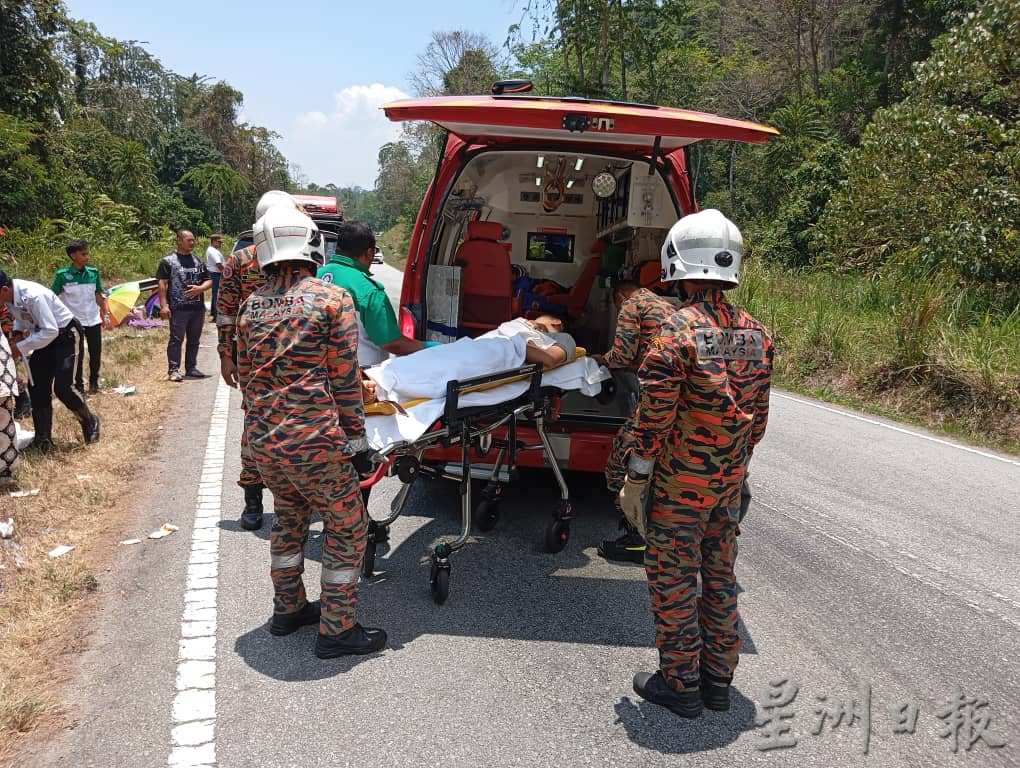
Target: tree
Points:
(31, 78)
(395, 184)
(27, 191)
(181, 149)
(456, 62)
(132, 172)
(934, 184)
(213, 111)
(216, 182)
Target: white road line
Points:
(957, 595)
(193, 738)
(894, 428)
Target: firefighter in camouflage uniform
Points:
(297, 342)
(704, 405)
(640, 313)
(240, 278)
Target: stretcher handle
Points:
(377, 475)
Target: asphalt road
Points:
(877, 564)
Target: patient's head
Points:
(547, 324)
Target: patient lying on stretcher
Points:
(424, 374)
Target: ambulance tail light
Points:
(407, 326)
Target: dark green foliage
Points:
(934, 184)
(99, 139)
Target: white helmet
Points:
(271, 198)
(286, 234)
(703, 246)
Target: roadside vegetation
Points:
(84, 500)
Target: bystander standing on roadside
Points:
(81, 290)
(47, 333)
(214, 263)
(182, 281)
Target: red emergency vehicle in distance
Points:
(536, 191)
(320, 207)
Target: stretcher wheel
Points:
(556, 536)
(407, 469)
(486, 515)
(439, 582)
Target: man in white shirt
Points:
(214, 263)
(51, 338)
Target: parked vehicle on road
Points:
(535, 202)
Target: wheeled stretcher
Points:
(478, 428)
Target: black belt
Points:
(66, 330)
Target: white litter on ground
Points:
(63, 549)
(165, 530)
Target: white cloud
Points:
(343, 147)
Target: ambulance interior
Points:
(525, 233)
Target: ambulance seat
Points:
(573, 301)
(487, 295)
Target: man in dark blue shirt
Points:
(183, 280)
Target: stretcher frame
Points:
(472, 428)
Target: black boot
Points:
(715, 691)
(628, 548)
(251, 517)
(654, 688)
(286, 623)
(89, 425)
(380, 533)
(356, 641)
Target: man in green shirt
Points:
(80, 289)
(379, 334)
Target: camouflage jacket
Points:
(636, 325)
(297, 362)
(241, 277)
(704, 401)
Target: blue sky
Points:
(314, 72)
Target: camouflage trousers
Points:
(692, 633)
(331, 490)
(616, 466)
(249, 468)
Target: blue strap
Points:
(446, 330)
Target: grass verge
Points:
(394, 245)
(918, 351)
(45, 602)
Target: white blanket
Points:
(383, 431)
(425, 373)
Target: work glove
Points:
(632, 502)
(366, 461)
